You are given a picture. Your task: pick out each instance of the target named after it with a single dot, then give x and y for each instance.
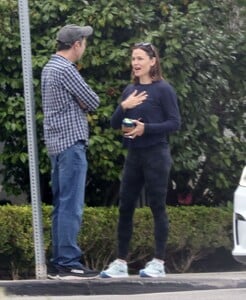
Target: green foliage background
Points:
(202, 45)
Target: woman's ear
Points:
(153, 61)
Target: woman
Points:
(151, 103)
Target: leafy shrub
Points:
(195, 232)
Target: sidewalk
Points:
(126, 286)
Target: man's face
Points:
(79, 48)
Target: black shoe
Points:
(69, 273)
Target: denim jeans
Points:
(147, 167)
(69, 169)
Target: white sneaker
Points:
(117, 269)
(153, 268)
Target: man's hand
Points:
(81, 104)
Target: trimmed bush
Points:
(195, 232)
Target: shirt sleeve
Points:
(81, 91)
(169, 106)
(119, 113)
(117, 117)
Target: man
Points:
(66, 99)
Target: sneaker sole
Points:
(104, 275)
(146, 275)
(70, 277)
(53, 277)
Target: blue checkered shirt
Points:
(63, 88)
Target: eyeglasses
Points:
(146, 46)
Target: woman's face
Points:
(141, 64)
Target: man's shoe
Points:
(153, 268)
(117, 269)
(52, 271)
(68, 273)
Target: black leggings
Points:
(147, 167)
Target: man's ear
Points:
(77, 44)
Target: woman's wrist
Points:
(123, 105)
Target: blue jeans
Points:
(69, 169)
(147, 167)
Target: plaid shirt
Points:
(65, 122)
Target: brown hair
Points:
(155, 71)
(65, 46)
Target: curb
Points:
(125, 286)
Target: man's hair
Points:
(64, 46)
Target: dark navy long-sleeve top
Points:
(159, 113)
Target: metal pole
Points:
(32, 139)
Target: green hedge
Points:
(195, 232)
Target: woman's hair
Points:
(155, 71)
